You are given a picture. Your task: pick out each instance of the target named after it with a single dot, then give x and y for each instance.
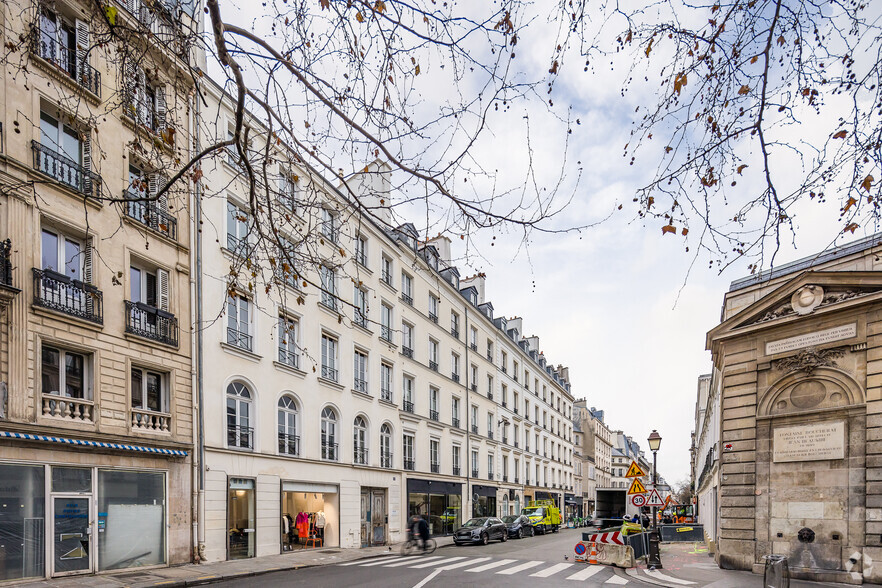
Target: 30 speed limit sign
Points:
(638, 499)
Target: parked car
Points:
(519, 526)
(481, 530)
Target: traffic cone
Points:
(592, 559)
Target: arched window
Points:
(239, 430)
(386, 446)
(359, 441)
(289, 441)
(329, 434)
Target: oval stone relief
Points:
(808, 394)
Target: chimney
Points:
(442, 245)
(477, 281)
(373, 187)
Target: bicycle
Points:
(411, 546)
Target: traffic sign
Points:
(635, 471)
(654, 499)
(580, 549)
(637, 487)
(638, 500)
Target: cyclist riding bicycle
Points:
(419, 530)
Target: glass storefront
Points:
(241, 518)
(22, 521)
(484, 504)
(440, 503)
(310, 515)
(131, 519)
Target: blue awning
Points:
(100, 444)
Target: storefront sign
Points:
(811, 339)
(809, 442)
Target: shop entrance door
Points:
(378, 517)
(71, 535)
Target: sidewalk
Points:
(195, 575)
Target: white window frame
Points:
(330, 357)
(360, 371)
(240, 333)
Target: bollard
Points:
(653, 558)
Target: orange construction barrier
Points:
(592, 559)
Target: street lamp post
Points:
(654, 557)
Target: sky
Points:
(623, 305)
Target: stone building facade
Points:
(800, 384)
(706, 456)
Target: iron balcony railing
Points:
(407, 352)
(489, 395)
(505, 440)
(386, 394)
(289, 444)
(456, 470)
(329, 451)
(433, 414)
(489, 475)
(454, 377)
(67, 62)
(455, 333)
(387, 277)
(6, 263)
(152, 323)
(490, 356)
(504, 404)
(475, 429)
(289, 358)
(407, 406)
(474, 387)
(407, 299)
(473, 346)
(239, 436)
(360, 385)
(58, 292)
(505, 477)
(360, 456)
(433, 365)
(386, 459)
(409, 464)
(386, 333)
(455, 422)
(515, 444)
(151, 216)
(516, 481)
(329, 373)
(505, 371)
(436, 468)
(433, 317)
(239, 339)
(474, 473)
(66, 171)
(490, 434)
(360, 319)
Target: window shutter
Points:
(87, 262)
(88, 188)
(162, 275)
(162, 201)
(82, 37)
(160, 108)
(130, 87)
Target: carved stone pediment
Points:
(809, 298)
(808, 360)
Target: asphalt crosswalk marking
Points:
(376, 563)
(660, 576)
(462, 564)
(616, 580)
(586, 573)
(520, 568)
(435, 563)
(551, 571)
(361, 562)
(492, 564)
(404, 561)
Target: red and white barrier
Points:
(610, 538)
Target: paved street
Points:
(533, 561)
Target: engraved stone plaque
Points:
(809, 442)
(811, 339)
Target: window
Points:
(490, 469)
(454, 412)
(385, 446)
(386, 322)
(515, 402)
(329, 286)
(63, 155)
(455, 459)
(58, 42)
(359, 441)
(148, 290)
(289, 334)
(63, 254)
(63, 281)
(433, 308)
(515, 370)
(360, 303)
(386, 270)
(149, 393)
(65, 373)
(329, 434)
(435, 455)
(406, 288)
(289, 441)
(286, 258)
(504, 395)
(407, 340)
(490, 425)
(329, 225)
(361, 250)
(473, 377)
(407, 448)
(454, 324)
(504, 361)
(474, 419)
(527, 382)
(433, 355)
(144, 98)
(288, 189)
(361, 372)
(490, 387)
(407, 393)
(473, 338)
(489, 349)
(152, 213)
(386, 382)
(237, 229)
(454, 367)
(433, 404)
(239, 430)
(329, 357)
(474, 463)
(239, 322)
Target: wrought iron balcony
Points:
(516, 481)
(433, 365)
(505, 440)
(386, 394)
(407, 299)
(289, 444)
(454, 332)
(516, 444)
(330, 373)
(60, 293)
(66, 171)
(407, 352)
(490, 434)
(360, 455)
(456, 470)
(474, 387)
(289, 358)
(152, 323)
(239, 339)
(330, 451)
(407, 406)
(151, 215)
(490, 356)
(386, 333)
(409, 464)
(455, 377)
(504, 404)
(436, 468)
(360, 385)
(360, 319)
(489, 475)
(473, 346)
(386, 277)
(455, 422)
(6, 263)
(433, 414)
(475, 429)
(66, 61)
(433, 317)
(489, 395)
(242, 437)
(474, 473)
(386, 459)
(505, 477)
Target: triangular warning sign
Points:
(75, 553)
(654, 499)
(637, 487)
(635, 471)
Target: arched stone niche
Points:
(798, 391)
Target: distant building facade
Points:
(706, 456)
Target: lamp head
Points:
(654, 440)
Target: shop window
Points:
(22, 522)
(240, 432)
(289, 441)
(359, 441)
(131, 519)
(329, 435)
